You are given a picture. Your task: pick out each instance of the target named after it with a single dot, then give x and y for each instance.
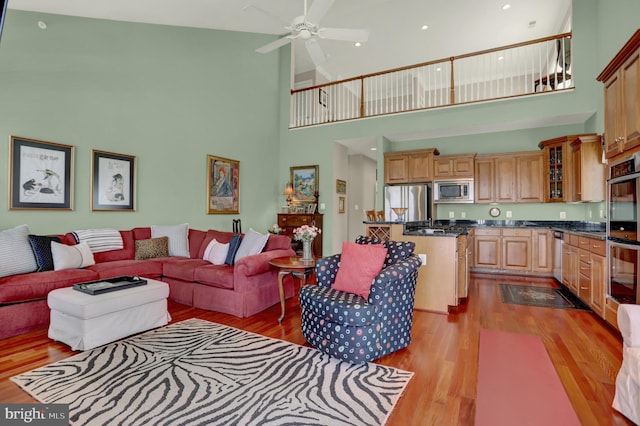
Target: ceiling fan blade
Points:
(275, 44)
(318, 9)
(346, 34)
(315, 51)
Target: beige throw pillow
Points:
(152, 248)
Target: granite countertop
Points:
(453, 228)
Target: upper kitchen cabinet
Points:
(453, 166)
(621, 79)
(409, 166)
(508, 178)
(565, 167)
(588, 179)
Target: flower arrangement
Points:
(306, 233)
(275, 229)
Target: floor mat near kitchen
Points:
(546, 297)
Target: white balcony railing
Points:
(521, 69)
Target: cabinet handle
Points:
(584, 288)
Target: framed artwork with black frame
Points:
(223, 185)
(113, 181)
(304, 180)
(40, 175)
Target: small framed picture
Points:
(311, 208)
(322, 97)
(223, 185)
(113, 185)
(40, 175)
(341, 186)
(341, 201)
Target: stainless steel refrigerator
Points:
(416, 198)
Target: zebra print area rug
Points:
(199, 372)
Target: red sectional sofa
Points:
(243, 289)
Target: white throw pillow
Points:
(216, 252)
(71, 257)
(16, 255)
(252, 243)
(178, 238)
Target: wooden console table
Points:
(290, 221)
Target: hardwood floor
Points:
(443, 354)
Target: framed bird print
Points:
(40, 175)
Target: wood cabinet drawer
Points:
(583, 243)
(294, 220)
(516, 232)
(598, 246)
(574, 240)
(583, 255)
(492, 232)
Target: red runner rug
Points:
(518, 384)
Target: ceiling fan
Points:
(306, 27)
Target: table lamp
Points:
(288, 191)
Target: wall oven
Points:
(622, 229)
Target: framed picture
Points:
(341, 186)
(305, 184)
(340, 204)
(113, 181)
(40, 175)
(223, 185)
(322, 97)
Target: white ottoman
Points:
(84, 321)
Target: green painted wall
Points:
(168, 95)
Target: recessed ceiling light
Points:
(438, 69)
(42, 25)
(506, 7)
(373, 149)
(500, 58)
(425, 27)
(358, 44)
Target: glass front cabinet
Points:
(557, 163)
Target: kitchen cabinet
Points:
(542, 251)
(588, 178)
(584, 269)
(487, 248)
(453, 166)
(530, 181)
(462, 267)
(409, 166)
(288, 222)
(516, 249)
(508, 178)
(621, 79)
(557, 161)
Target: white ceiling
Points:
(396, 38)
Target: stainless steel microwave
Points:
(453, 191)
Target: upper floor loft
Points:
(538, 66)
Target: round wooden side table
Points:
(294, 266)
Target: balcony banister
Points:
(521, 69)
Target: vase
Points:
(307, 252)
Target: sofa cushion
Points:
(277, 242)
(215, 275)
(141, 233)
(212, 234)
(234, 245)
(252, 243)
(216, 253)
(148, 268)
(16, 256)
(181, 269)
(41, 247)
(359, 265)
(152, 248)
(36, 285)
(178, 238)
(196, 237)
(71, 257)
(126, 253)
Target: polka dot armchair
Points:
(352, 328)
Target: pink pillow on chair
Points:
(359, 265)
